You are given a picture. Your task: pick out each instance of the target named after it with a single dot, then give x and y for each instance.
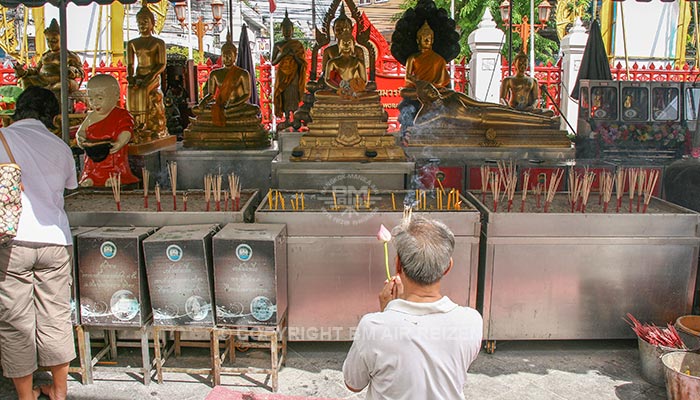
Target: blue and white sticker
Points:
(262, 308)
(174, 253)
(108, 249)
(244, 252)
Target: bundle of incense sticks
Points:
(509, 179)
(393, 201)
(184, 201)
(172, 173)
(587, 184)
(526, 181)
(607, 180)
(208, 185)
(495, 189)
(649, 187)
(157, 197)
(117, 188)
(576, 183)
(554, 181)
(632, 181)
(619, 186)
(145, 177)
(640, 186)
(485, 175)
(407, 212)
(234, 186)
(217, 191)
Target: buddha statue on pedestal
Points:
(349, 122)
(225, 119)
(47, 73)
(145, 62)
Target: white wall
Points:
(650, 31)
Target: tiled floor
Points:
(570, 370)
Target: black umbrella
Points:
(594, 64)
(245, 61)
(61, 4)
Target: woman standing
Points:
(35, 326)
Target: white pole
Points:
(532, 38)
(189, 29)
(272, 75)
(452, 62)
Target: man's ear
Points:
(57, 120)
(399, 269)
(449, 267)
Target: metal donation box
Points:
(179, 270)
(250, 274)
(112, 278)
(74, 295)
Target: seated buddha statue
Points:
(425, 65)
(47, 72)
(520, 91)
(457, 110)
(225, 119)
(342, 27)
(346, 75)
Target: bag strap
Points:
(7, 148)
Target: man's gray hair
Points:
(424, 247)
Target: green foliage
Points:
(468, 14)
(175, 49)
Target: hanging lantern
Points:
(180, 8)
(504, 8)
(217, 9)
(543, 11)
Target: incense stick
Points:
(526, 181)
(607, 180)
(484, 182)
(619, 186)
(145, 175)
(632, 181)
(172, 172)
(393, 201)
(649, 188)
(158, 197)
(217, 191)
(116, 188)
(640, 185)
(207, 190)
(495, 189)
(184, 201)
(587, 184)
(554, 181)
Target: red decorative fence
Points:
(390, 76)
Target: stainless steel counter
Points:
(336, 264)
(575, 275)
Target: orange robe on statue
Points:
(429, 66)
(108, 129)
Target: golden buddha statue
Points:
(342, 27)
(146, 61)
(426, 65)
(289, 56)
(520, 91)
(225, 119)
(47, 72)
(348, 120)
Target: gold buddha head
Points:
(287, 26)
(145, 20)
(425, 36)
(342, 25)
(228, 52)
(520, 62)
(53, 36)
(346, 45)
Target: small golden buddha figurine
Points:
(146, 61)
(290, 58)
(225, 119)
(47, 72)
(520, 91)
